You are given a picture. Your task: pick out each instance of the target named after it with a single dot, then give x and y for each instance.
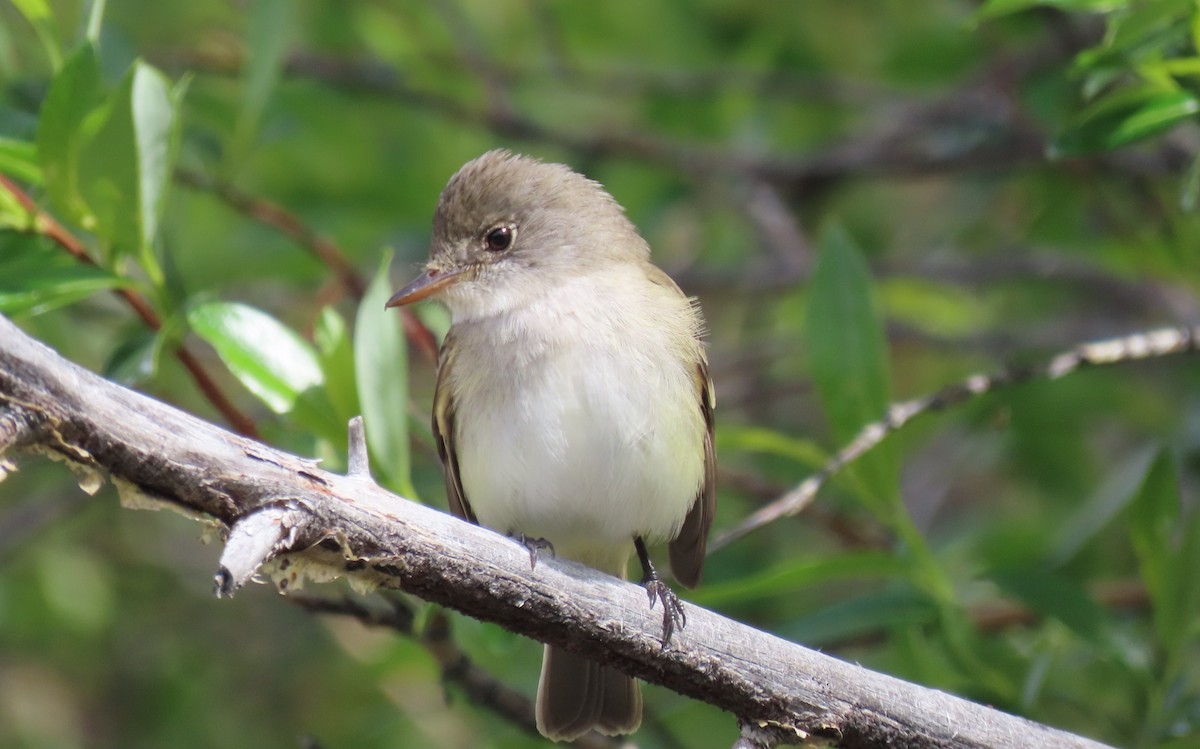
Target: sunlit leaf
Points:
(739, 438)
(18, 158)
(998, 8)
(995, 8)
(271, 360)
(1147, 20)
(381, 371)
(153, 112)
(125, 164)
(942, 309)
(95, 17)
(1124, 117)
(14, 215)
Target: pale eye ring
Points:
(499, 238)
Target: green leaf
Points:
(268, 35)
(108, 170)
(33, 281)
(1108, 501)
(1181, 66)
(864, 615)
(1184, 628)
(436, 318)
(135, 359)
(848, 358)
(95, 18)
(125, 165)
(1154, 514)
(37, 12)
(272, 361)
(1189, 193)
(1168, 551)
(738, 438)
(18, 158)
(797, 574)
(1058, 597)
(1146, 22)
(1124, 117)
(381, 371)
(997, 8)
(73, 94)
(337, 362)
(154, 128)
(942, 309)
(13, 215)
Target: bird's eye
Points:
(499, 239)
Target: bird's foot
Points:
(673, 613)
(534, 546)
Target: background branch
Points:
(1154, 343)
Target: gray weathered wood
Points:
(779, 691)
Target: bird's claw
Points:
(534, 546)
(673, 613)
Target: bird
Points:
(573, 408)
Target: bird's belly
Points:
(585, 457)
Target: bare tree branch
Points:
(780, 692)
(895, 152)
(1154, 343)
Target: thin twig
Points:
(286, 222)
(46, 225)
(1154, 343)
(896, 154)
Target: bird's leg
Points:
(533, 546)
(673, 614)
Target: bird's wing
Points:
(443, 431)
(687, 549)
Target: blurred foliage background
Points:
(871, 200)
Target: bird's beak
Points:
(428, 283)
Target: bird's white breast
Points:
(578, 416)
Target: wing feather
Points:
(443, 431)
(688, 548)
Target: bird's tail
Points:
(575, 695)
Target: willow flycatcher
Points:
(573, 403)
